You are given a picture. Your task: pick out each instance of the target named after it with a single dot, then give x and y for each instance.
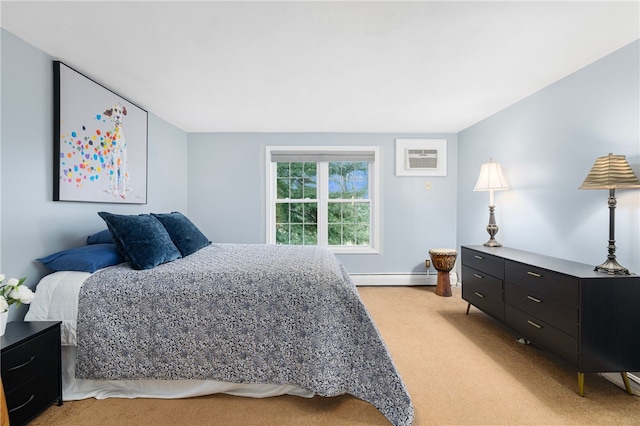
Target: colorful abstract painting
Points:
(100, 142)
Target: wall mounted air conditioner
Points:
(421, 157)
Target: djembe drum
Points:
(443, 261)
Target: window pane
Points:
(297, 185)
(310, 180)
(296, 235)
(296, 181)
(334, 211)
(362, 234)
(282, 234)
(349, 223)
(335, 180)
(310, 235)
(310, 213)
(309, 170)
(296, 169)
(309, 189)
(283, 170)
(283, 188)
(296, 223)
(359, 180)
(363, 214)
(335, 235)
(282, 213)
(349, 180)
(296, 212)
(349, 234)
(348, 212)
(283, 183)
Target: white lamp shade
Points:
(491, 178)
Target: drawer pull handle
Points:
(478, 276)
(534, 324)
(533, 299)
(22, 405)
(479, 294)
(478, 257)
(533, 274)
(17, 367)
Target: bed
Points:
(244, 319)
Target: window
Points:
(323, 196)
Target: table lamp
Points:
(611, 172)
(491, 179)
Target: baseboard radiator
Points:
(400, 279)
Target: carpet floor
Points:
(459, 370)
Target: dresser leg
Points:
(580, 384)
(627, 385)
(468, 306)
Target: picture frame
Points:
(100, 142)
(421, 157)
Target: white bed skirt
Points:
(75, 389)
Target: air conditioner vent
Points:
(421, 159)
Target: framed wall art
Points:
(100, 142)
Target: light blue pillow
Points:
(141, 239)
(184, 234)
(88, 258)
(102, 237)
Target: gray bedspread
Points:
(239, 313)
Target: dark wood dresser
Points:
(31, 369)
(589, 319)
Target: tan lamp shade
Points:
(611, 172)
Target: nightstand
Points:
(31, 369)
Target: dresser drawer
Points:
(559, 287)
(543, 334)
(559, 315)
(486, 263)
(26, 399)
(483, 291)
(26, 360)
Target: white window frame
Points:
(322, 196)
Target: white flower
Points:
(22, 293)
(14, 292)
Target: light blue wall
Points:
(547, 144)
(31, 224)
(226, 182)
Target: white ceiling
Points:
(430, 66)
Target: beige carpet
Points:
(459, 370)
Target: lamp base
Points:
(492, 229)
(612, 267)
(492, 243)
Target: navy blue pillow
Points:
(84, 259)
(141, 239)
(102, 237)
(184, 234)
